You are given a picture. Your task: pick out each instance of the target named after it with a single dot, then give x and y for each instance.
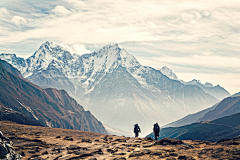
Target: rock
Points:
(204, 151)
(112, 150)
(22, 153)
(105, 137)
(148, 139)
(120, 140)
(171, 158)
(32, 152)
(173, 154)
(147, 145)
(46, 152)
(86, 140)
(58, 137)
(182, 157)
(96, 151)
(136, 154)
(168, 141)
(119, 154)
(92, 158)
(156, 153)
(73, 147)
(37, 140)
(121, 158)
(68, 138)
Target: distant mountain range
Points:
(213, 124)
(216, 91)
(115, 87)
(26, 103)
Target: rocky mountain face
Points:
(49, 107)
(222, 128)
(113, 85)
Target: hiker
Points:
(156, 130)
(136, 130)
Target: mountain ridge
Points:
(148, 93)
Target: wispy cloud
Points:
(18, 20)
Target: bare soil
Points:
(40, 143)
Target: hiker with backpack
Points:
(136, 130)
(156, 130)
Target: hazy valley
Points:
(115, 87)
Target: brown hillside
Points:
(50, 107)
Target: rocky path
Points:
(40, 143)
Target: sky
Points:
(197, 39)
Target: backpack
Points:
(135, 128)
(156, 128)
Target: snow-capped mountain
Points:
(113, 85)
(169, 73)
(216, 91)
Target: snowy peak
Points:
(128, 60)
(216, 91)
(8, 56)
(207, 84)
(168, 72)
(50, 49)
(194, 82)
(198, 82)
(112, 56)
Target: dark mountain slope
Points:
(10, 69)
(191, 118)
(50, 107)
(222, 128)
(226, 107)
(236, 94)
(7, 114)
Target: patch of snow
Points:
(48, 124)
(29, 110)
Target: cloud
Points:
(77, 48)
(195, 61)
(61, 11)
(3, 11)
(192, 33)
(18, 20)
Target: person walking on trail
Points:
(136, 130)
(156, 130)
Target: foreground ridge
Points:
(55, 143)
